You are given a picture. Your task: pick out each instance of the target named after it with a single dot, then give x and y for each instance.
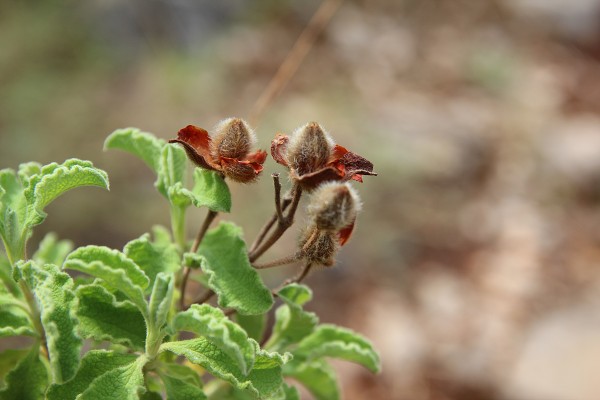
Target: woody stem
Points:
(280, 207)
(187, 270)
(280, 261)
(282, 226)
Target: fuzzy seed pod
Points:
(233, 139)
(319, 246)
(309, 149)
(333, 206)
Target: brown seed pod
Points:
(309, 149)
(319, 246)
(233, 138)
(333, 206)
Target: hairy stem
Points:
(282, 226)
(279, 262)
(187, 270)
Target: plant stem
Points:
(35, 314)
(280, 207)
(279, 262)
(282, 226)
(178, 225)
(300, 277)
(187, 270)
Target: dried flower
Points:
(333, 206)
(319, 247)
(313, 158)
(227, 152)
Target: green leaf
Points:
(153, 257)
(27, 170)
(264, 380)
(15, 322)
(52, 250)
(210, 190)
(292, 323)
(55, 179)
(290, 392)
(13, 215)
(173, 162)
(8, 361)
(211, 323)
(333, 341)
(113, 267)
(178, 389)
(102, 317)
(94, 364)
(317, 376)
(29, 380)
(230, 274)
(7, 283)
(161, 299)
(141, 144)
(254, 325)
(57, 303)
(123, 383)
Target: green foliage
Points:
(231, 276)
(57, 301)
(129, 300)
(28, 381)
(102, 317)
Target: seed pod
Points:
(333, 206)
(319, 246)
(233, 138)
(309, 149)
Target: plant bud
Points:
(319, 247)
(233, 138)
(309, 149)
(333, 206)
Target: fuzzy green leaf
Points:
(8, 361)
(254, 325)
(292, 323)
(179, 389)
(172, 166)
(210, 190)
(333, 341)
(13, 214)
(123, 383)
(264, 380)
(141, 144)
(94, 364)
(14, 322)
(102, 317)
(28, 380)
(52, 251)
(290, 392)
(153, 256)
(55, 179)
(57, 302)
(317, 376)
(27, 170)
(160, 300)
(114, 268)
(230, 274)
(211, 323)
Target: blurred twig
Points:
(292, 62)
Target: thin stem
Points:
(287, 200)
(187, 270)
(282, 226)
(294, 58)
(178, 225)
(298, 278)
(280, 261)
(277, 186)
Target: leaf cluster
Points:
(123, 303)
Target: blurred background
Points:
(474, 267)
